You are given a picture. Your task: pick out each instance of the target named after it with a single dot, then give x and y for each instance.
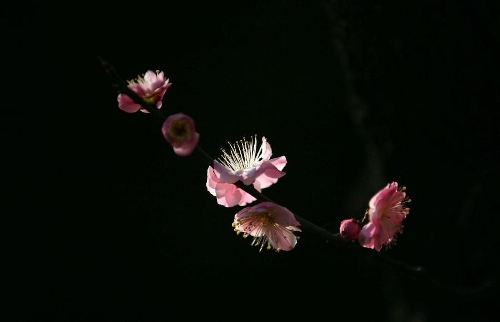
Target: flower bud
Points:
(350, 228)
(179, 130)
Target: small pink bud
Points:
(178, 129)
(350, 228)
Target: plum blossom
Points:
(386, 212)
(349, 229)
(179, 130)
(269, 224)
(151, 87)
(248, 164)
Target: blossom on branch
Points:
(248, 164)
(349, 229)
(269, 224)
(386, 214)
(179, 130)
(151, 87)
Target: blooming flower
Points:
(349, 229)
(178, 129)
(269, 224)
(246, 163)
(386, 213)
(150, 87)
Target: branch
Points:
(329, 237)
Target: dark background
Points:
(103, 222)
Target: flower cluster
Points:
(178, 129)
(385, 215)
(268, 223)
(241, 172)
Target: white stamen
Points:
(243, 154)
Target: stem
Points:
(205, 156)
(304, 223)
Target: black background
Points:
(103, 222)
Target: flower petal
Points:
(282, 239)
(126, 104)
(367, 237)
(268, 178)
(228, 195)
(224, 173)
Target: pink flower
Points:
(150, 87)
(349, 229)
(269, 224)
(246, 163)
(178, 129)
(386, 213)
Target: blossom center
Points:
(180, 130)
(243, 154)
(254, 219)
(150, 98)
(258, 225)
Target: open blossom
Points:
(270, 225)
(178, 129)
(248, 164)
(151, 87)
(387, 210)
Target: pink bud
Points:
(350, 228)
(178, 129)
